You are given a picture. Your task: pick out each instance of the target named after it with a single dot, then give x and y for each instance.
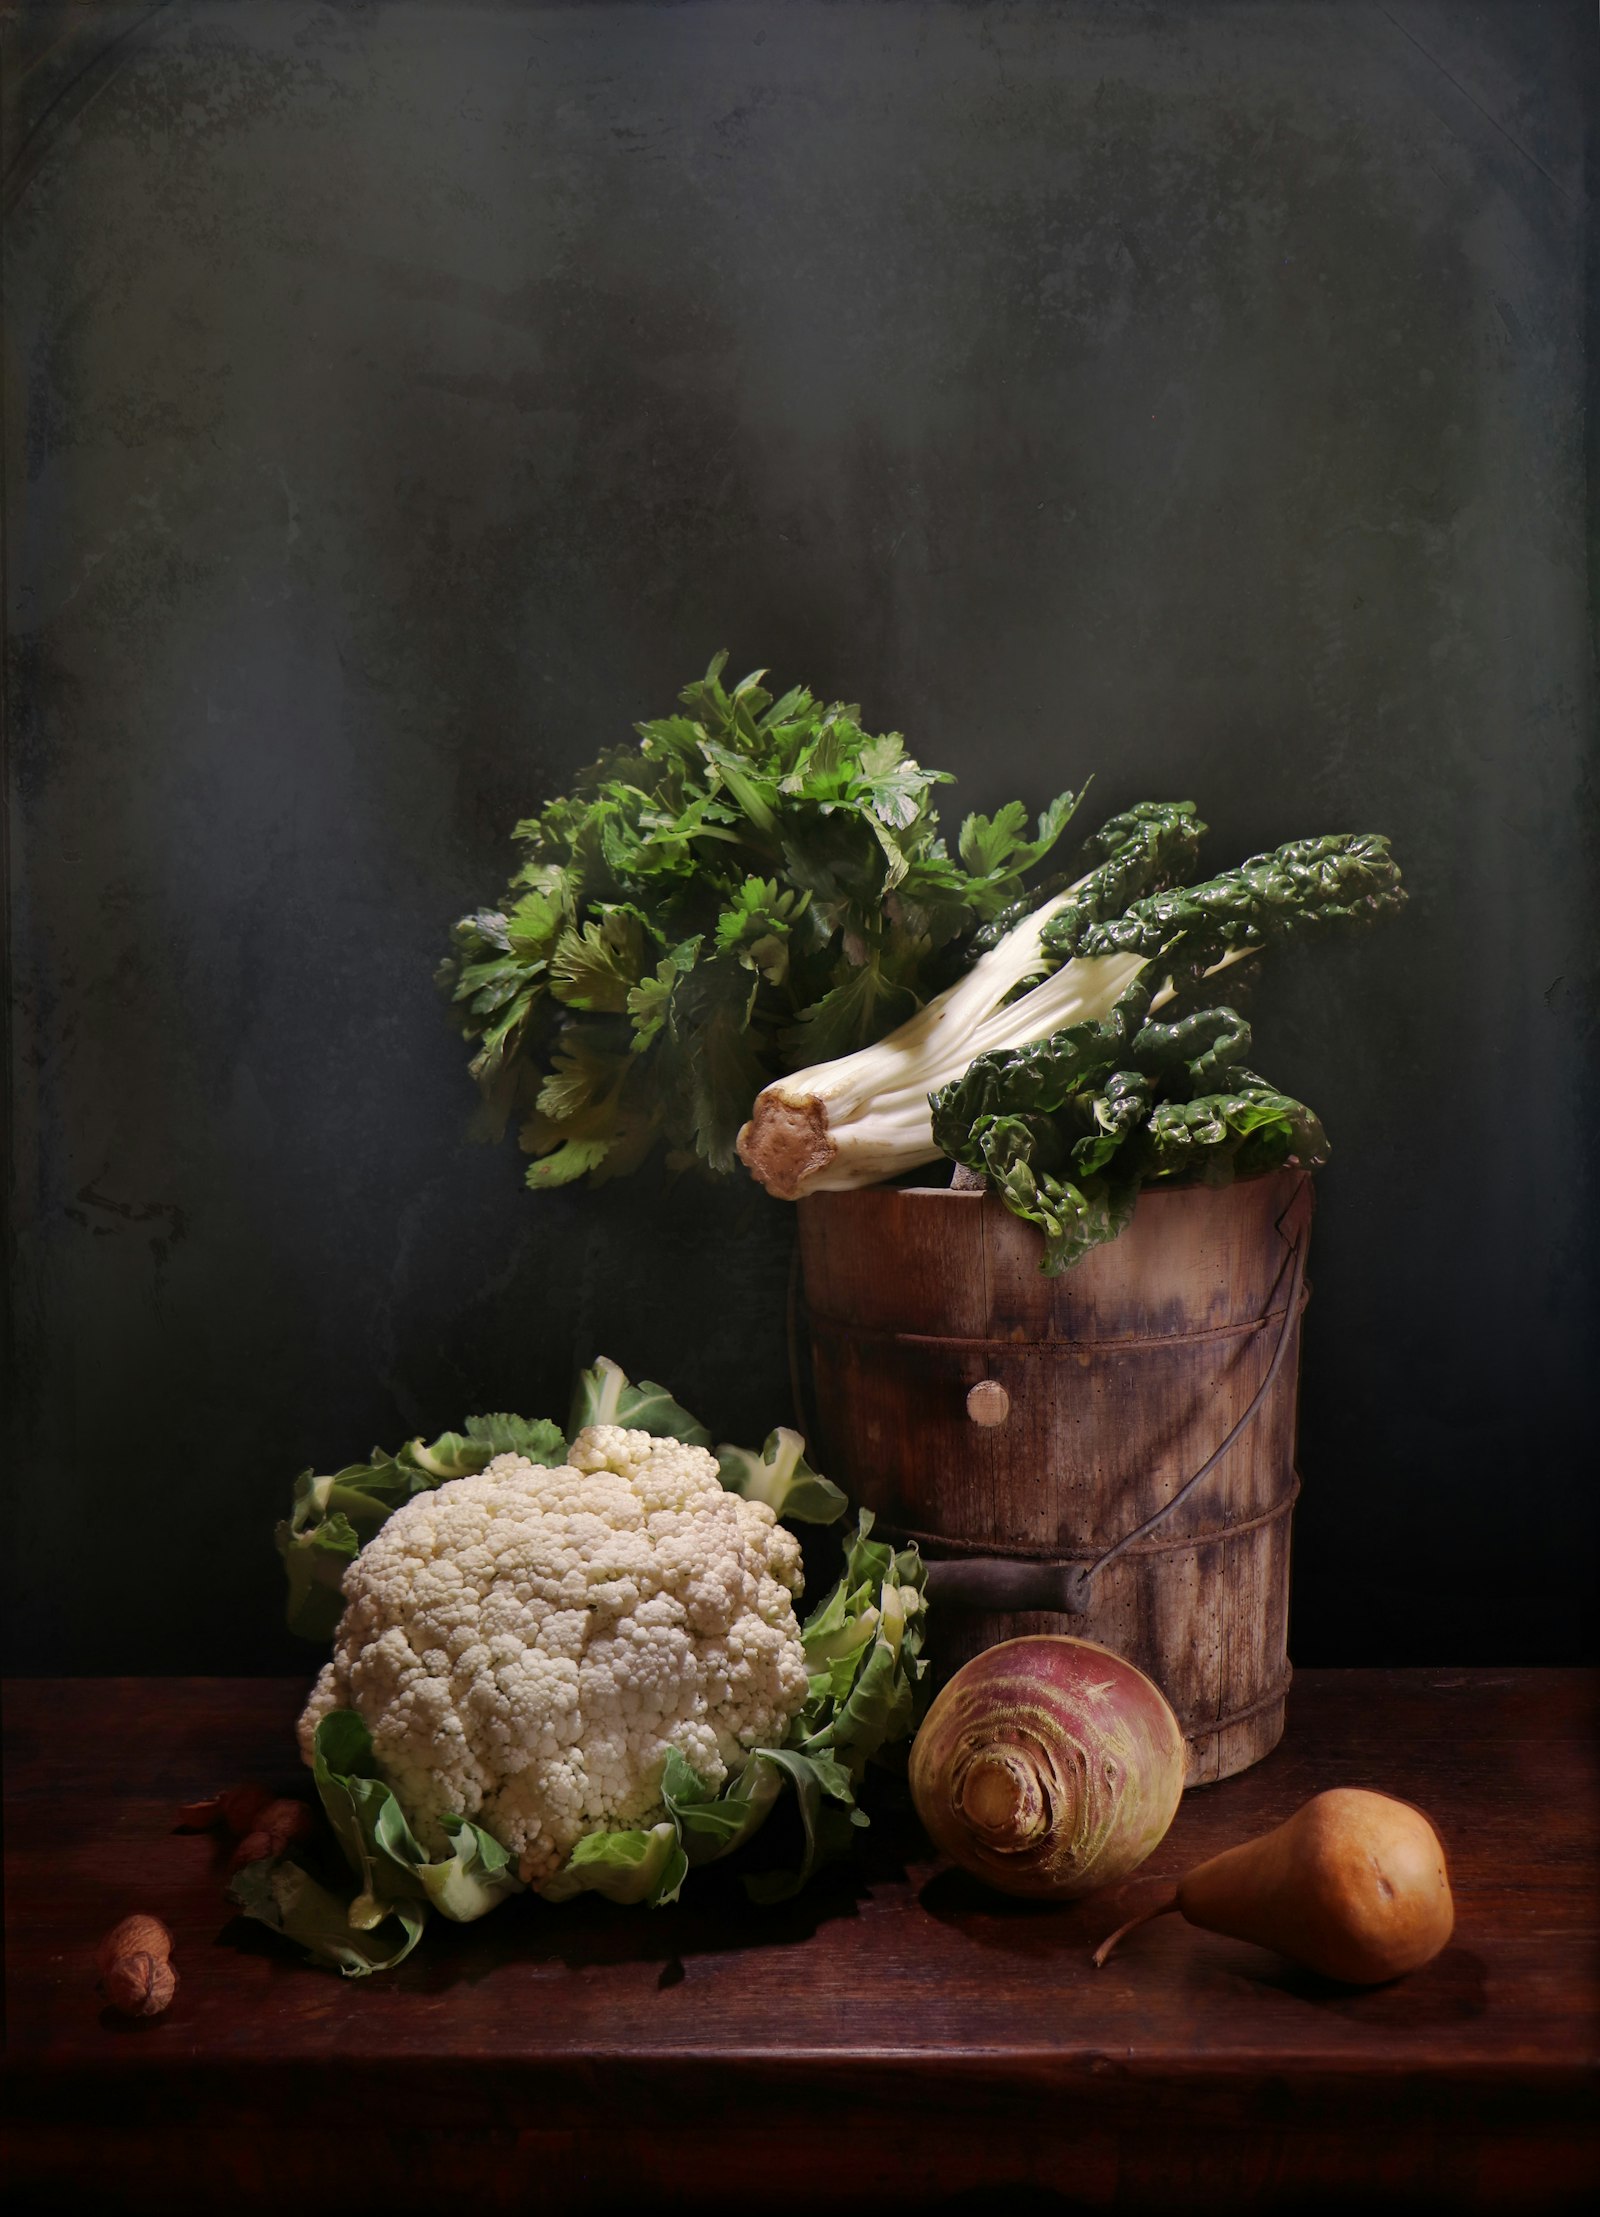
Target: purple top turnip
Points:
(1048, 1766)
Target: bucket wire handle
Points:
(1000, 1582)
(1296, 1302)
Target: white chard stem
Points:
(866, 1117)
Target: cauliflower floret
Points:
(526, 1645)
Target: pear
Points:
(1352, 1885)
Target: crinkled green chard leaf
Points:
(1040, 1077)
(1220, 1136)
(1200, 1048)
(1067, 1128)
(1133, 856)
(1301, 888)
(1075, 1213)
(1118, 1108)
(782, 1478)
(604, 1395)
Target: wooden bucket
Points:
(1052, 1443)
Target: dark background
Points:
(402, 399)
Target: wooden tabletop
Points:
(896, 2037)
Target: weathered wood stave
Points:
(1122, 1376)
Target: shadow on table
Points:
(1450, 1990)
(714, 1917)
(1021, 1927)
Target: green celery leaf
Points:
(534, 924)
(565, 1164)
(860, 1006)
(592, 1114)
(650, 1001)
(998, 846)
(585, 1074)
(598, 967)
(894, 785)
(755, 796)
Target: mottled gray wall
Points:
(401, 399)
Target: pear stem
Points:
(1161, 1909)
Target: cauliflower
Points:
(527, 1644)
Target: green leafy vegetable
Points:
(1070, 1126)
(757, 883)
(624, 1866)
(1046, 1070)
(865, 1639)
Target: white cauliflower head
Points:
(526, 1645)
